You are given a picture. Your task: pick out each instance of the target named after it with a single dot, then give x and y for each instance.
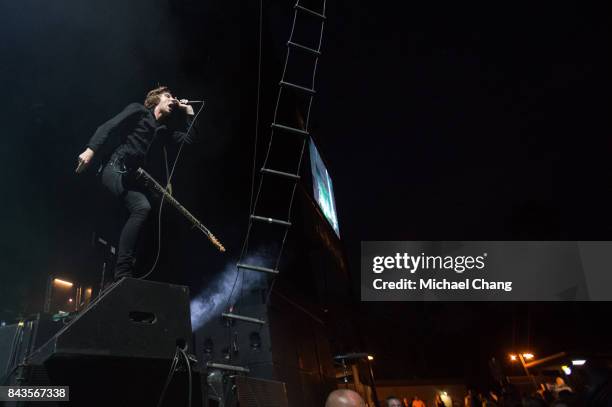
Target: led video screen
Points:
(323, 189)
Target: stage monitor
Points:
(323, 189)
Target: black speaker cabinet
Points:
(292, 348)
(18, 341)
(119, 350)
(135, 318)
(252, 392)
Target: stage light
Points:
(255, 340)
(578, 362)
(566, 370)
(62, 282)
(528, 356)
(513, 358)
(370, 357)
(208, 346)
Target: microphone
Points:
(192, 102)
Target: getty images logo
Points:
(404, 261)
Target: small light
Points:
(566, 370)
(528, 356)
(69, 299)
(208, 346)
(21, 323)
(63, 282)
(513, 358)
(578, 362)
(255, 340)
(370, 357)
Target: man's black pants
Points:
(120, 184)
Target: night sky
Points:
(439, 122)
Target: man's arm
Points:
(182, 135)
(103, 132)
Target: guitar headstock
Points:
(216, 242)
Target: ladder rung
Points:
(303, 48)
(229, 315)
(297, 87)
(280, 174)
(223, 366)
(312, 13)
(257, 268)
(271, 220)
(290, 129)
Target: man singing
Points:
(136, 127)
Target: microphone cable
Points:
(189, 378)
(161, 204)
(173, 367)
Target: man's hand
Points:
(187, 108)
(84, 160)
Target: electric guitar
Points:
(150, 182)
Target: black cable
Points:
(188, 377)
(5, 379)
(13, 349)
(252, 203)
(257, 108)
(267, 156)
(183, 142)
(169, 378)
(161, 204)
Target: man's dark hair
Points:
(152, 98)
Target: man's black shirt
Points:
(135, 129)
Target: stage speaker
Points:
(257, 392)
(291, 348)
(18, 341)
(8, 348)
(242, 391)
(135, 318)
(120, 349)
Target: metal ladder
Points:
(307, 92)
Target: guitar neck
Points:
(168, 197)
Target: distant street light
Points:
(526, 356)
(372, 381)
(522, 357)
(65, 283)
